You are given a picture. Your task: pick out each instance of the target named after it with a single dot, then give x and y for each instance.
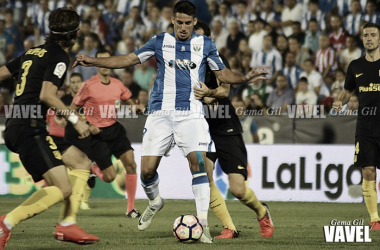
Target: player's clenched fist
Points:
(83, 60)
(82, 128)
(337, 106)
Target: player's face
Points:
(371, 39)
(75, 83)
(183, 26)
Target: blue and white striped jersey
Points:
(180, 65)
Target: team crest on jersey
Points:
(197, 47)
(182, 64)
(60, 69)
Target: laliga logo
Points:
(347, 231)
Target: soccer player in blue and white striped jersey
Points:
(175, 116)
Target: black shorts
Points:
(232, 154)
(37, 150)
(61, 143)
(110, 141)
(367, 151)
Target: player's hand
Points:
(209, 100)
(62, 122)
(202, 91)
(82, 128)
(257, 74)
(83, 60)
(337, 106)
(94, 129)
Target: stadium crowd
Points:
(306, 45)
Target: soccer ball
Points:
(187, 228)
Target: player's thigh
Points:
(191, 134)
(237, 184)
(74, 158)
(101, 152)
(157, 135)
(232, 154)
(84, 145)
(366, 152)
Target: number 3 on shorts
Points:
(21, 86)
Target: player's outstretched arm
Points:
(343, 98)
(4, 73)
(227, 76)
(113, 62)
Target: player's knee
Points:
(147, 173)
(109, 177)
(66, 191)
(238, 191)
(369, 173)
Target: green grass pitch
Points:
(297, 226)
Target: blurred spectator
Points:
(90, 47)
(41, 22)
(248, 124)
(343, 7)
(282, 96)
(84, 30)
(295, 47)
(325, 57)
(268, 14)
(126, 46)
(12, 29)
(28, 44)
(327, 5)
(127, 79)
(291, 13)
(314, 78)
(337, 34)
(313, 13)
(111, 17)
(268, 57)
(304, 95)
(297, 32)
(245, 64)
(243, 50)
(339, 80)
(98, 25)
(256, 39)
(143, 97)
(372, 15)
(291, 70)
(353, 19)
(219, 34)
(234, 38)
(255, 6)
(212, 7)
(6, 42)
(55, 4)
(167, 13)
(224, 15)
(32, 8)
(312, 37)
(282, 45)
(143, 74)
(124, 6)
(351, 52)
(80, 6)
(260, 89)
(250, 28)
(244, 16)
(134, 27)
(156, 22)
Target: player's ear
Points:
(195, 21)
(173, 20)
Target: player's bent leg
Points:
(370, 195)
(218, 204)
(67, 229)
(109, 174)
(149, 182)
(201, 190)
(129, 163)
(240, 190)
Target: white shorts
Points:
(189, 132)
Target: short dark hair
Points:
(102, 51)
(313, 20)
(184, 7)
(204, 27)
(243, 2)
(76, 74)
(63, 25)
(303, 79)
(86, 21)
(309, 60)
(372, 25)
(314, 2)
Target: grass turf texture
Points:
(297, 226)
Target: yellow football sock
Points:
(370, 199)
(86, 194)
(37, 203)
(78, 180)
(219, 208)
(251, 201)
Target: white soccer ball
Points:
(187, 228)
